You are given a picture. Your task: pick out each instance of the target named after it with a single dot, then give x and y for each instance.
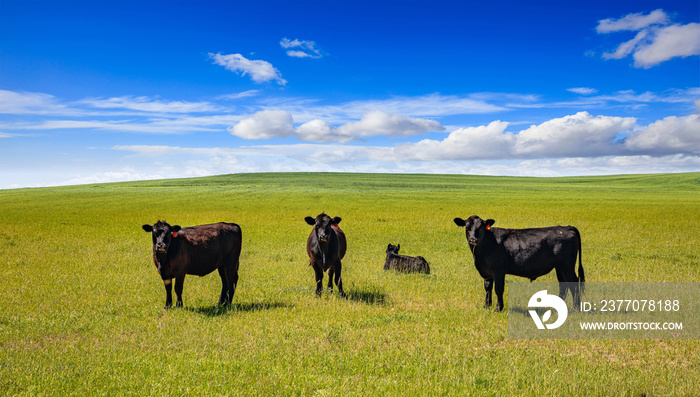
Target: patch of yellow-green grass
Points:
(82, 305)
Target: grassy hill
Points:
(81, 309)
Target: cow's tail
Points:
(581, 275)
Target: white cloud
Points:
(631, 97)
(301, 48)
(627, 47)
(269, 124)
(258, 70)
(156, 150)
(435, 104)
(177, 125)
(378, 122)
(668, 136)
(150, 105)
(265, 124)
(626, 98)
(633, 22)
(583, 90)
(12, 102)
(319, 131)
(669, 42)
(239, 95)
(578, 135)
(482, 142)
(656, 41)
(79, 124)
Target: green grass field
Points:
(81, 305)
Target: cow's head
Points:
(162, 234)
(393, 249)
(323, 227)
(476, 228)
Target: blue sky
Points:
(103, 91)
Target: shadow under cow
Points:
(369, 295)
(245, 307)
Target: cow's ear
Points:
(398, 247)
(176, 228)
(311, 221)
(337, 220)
(490, 222)
(147, 228)
(460, 222)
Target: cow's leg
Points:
(499, 281)
(331, 270)
(575, 295)
(562, 283)
(319, 280)
(168, 293)
(488, 286)
(232, 281)
(569, 281)
(339, 280)
(574, 287)
(179, 283)
(224, 287)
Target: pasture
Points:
(81, 305)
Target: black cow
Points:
(326, 247)
(403, 263)
(197, 250)
(529, 253)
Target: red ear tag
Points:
(488, 227)
(335, 225)
(175, 234)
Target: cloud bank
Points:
(269, 124)
(577, 135)
(397, 134)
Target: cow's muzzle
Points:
(472, 241)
